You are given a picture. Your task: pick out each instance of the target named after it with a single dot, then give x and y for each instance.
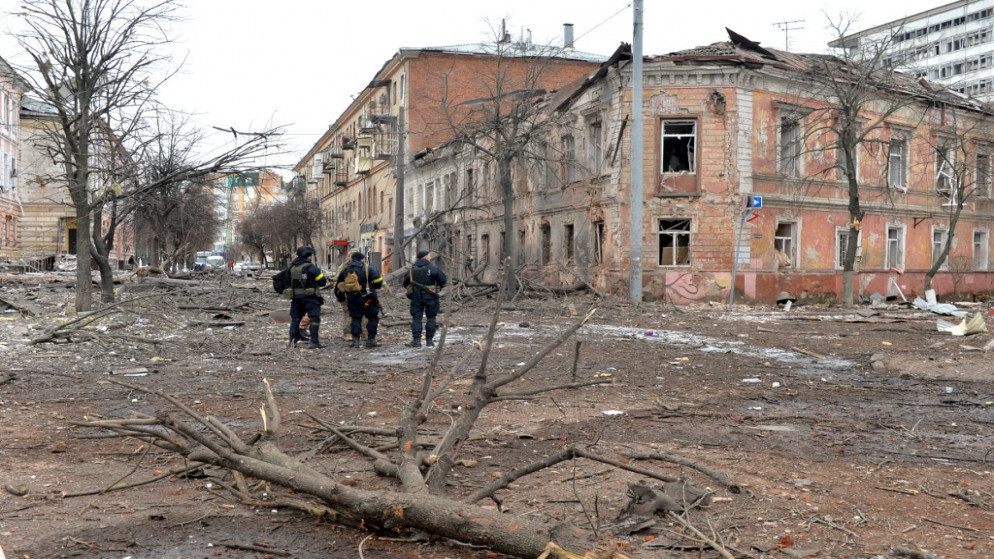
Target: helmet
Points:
(304, 252)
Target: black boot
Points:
(355, 342)
(371, 342)
(415, 342)
(295, 340)
(315, 337)
(430, 342)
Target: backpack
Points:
(350, 284)
(281, 281)
(419, 276)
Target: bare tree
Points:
(505, 127)
(97, 64)
(860, 92)
(961, 171)
(418, 462)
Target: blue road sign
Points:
(755, 202)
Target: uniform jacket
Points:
(436, 278)
(374, 281)
(312, 278)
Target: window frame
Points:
(900, 243)
(903, 168)
(983, 263)
(679, 229)
(945, 167)
(982, 188)
(595, 148)
(791, 121)
(791, 240)
(840, 234)
(938, 244)
(685, 182)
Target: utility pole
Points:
(398, 198)
(635, 194)
(785, 26)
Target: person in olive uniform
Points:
(364, 302)
(424, 281)
(306, 281)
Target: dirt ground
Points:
(851, 434)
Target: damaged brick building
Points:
(725, 124)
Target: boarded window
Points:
(568, 242)
(546, 244)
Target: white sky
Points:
(298, 63)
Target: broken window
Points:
(784, 242)
(897, 169)
(568, 242)
(674, 242)
(485, 250)
(546, 244)
(939, 237)
(894, 256)
(981, 249)
(945, 173)
(790, 147)
(679, 139)
(598, 242)
(982, 177)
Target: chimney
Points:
(567, 35)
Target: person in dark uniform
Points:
(361, 298)
(306, 280)
(423, 282)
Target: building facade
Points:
(413, 103)
(12, 87)
(726, 124)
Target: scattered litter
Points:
(751, 380)
(949, 390)
(133, 372)
(938, 308)
(775, 385)
(975, 325)
(613, 412)
(755, 408)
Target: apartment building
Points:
(952, 44)
(412, 103)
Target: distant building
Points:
(48, 218)
(12, 87)
(952, 44)
(235, 197)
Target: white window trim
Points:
(795, 241)
(904, 163)
(838, 254)
(902, 249)
(945, 239)
(987, 250)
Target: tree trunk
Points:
(84, 278)
(507, 190)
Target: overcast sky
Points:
(298, 63)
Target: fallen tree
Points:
(419, 462)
